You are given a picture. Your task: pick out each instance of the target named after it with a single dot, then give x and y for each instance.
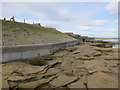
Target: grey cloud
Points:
(50, 10)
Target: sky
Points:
(93, 19)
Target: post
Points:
(13, 18)
(24, 20)
(4, 19)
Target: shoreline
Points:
(72, 67)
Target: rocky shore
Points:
(81, 66)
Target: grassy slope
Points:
(14, 33)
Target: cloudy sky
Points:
(94, 19)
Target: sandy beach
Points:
(81, 66)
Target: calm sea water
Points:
(116, 46)
(114, 40)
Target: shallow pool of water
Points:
(116, 46)
(114, 40)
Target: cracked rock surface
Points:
(81, 66)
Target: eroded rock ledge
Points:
(81, 66)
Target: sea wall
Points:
(23, 52)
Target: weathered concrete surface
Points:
(80, 66)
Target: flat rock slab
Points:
(67, 63)
(5, 84)
(113, 63)
(103, 49)
(19, 78)
(91, 65)
(71, 49)
(63, 80)
(101, 80)
(22, 67)
(35, 84)
(78, 64)
(109, 57)
(76, 52)
(60, 54)
(77, 84)
(97, 54)
(86, 58)
(52, 71)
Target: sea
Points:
(114, 40)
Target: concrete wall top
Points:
(11, 53)
(21, 48)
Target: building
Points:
(37, 24)
(70, 33)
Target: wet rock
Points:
(63, 80)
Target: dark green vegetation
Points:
(40, 61)
(37, 61)
(103, 44)
(15, 33)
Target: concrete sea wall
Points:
(23, 52)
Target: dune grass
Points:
(16, 33)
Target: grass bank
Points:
(15, 33)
